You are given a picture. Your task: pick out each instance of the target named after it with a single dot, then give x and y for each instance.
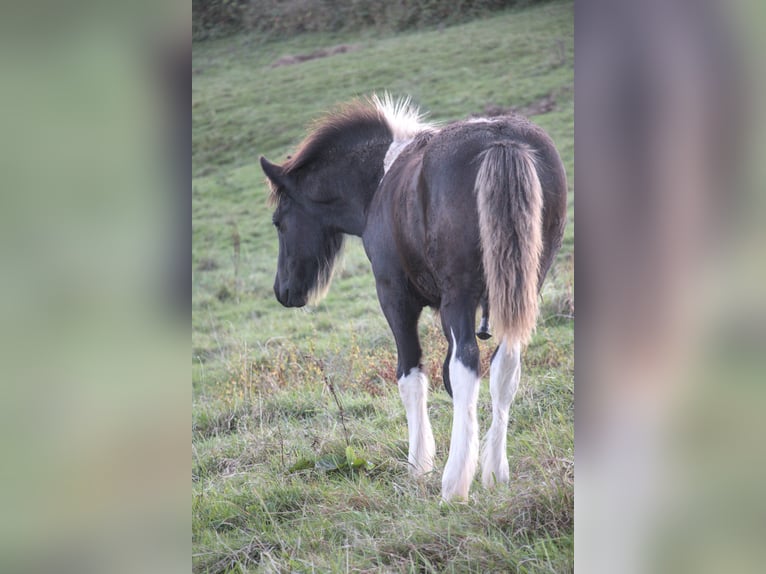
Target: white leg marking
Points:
(413, 388)
(464, 444)
(504, 373)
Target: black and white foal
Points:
(456, 217)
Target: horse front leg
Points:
(402, 314)
(413, 389)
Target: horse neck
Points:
(359, 185)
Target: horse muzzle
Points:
(289, 298)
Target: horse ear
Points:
(274, 172)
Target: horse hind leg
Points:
(504, 374)
(483, 331)
(464, 377)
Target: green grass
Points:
(261, 373)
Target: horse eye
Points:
(276, 224)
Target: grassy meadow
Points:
(299, 437)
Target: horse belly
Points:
(426, 286)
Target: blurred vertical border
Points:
(671, 320)
(95, 148)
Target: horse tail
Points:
(510, 202)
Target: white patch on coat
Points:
(413, 389)
(504, 373)
(396, 148)
(464, 444)
(405, 121)
(484, 120)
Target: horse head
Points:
(308, 243)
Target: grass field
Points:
(279, 395)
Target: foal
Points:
(457, 217)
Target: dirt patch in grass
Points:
(207, 264)
(291, 59)
(541, 106)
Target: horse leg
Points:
(504, 373)
(458, 325)
(413, 389)
(402, 315)
(483, 331)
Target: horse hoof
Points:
(483, 335)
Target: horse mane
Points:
(396, 119)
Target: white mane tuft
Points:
(402, 116)
(404, 119)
